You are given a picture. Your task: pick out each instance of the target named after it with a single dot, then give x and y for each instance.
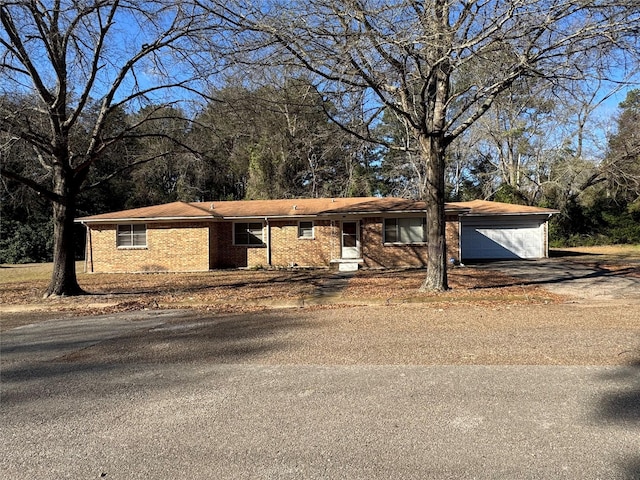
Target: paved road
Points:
(203, 419)
(364, 422)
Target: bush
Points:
(604, 223)
(22, 242)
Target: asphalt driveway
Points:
(582, 278)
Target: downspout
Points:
(460, 238)
(88, 250)
(266, 219)
(546, 237)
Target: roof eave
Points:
(268, 217)
(86, 220)
(510, 214)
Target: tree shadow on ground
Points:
(631, 469)
(547, 273)
(214, 283)
(554, 253)
(197, 338)
(621, 405)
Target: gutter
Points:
(509, 214)
(86, 221)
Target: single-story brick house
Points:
(349, 232)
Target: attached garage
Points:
(490, 238)
(498, 231)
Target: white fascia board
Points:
(266, 217)
(504, 214)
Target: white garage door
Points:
(484, 238)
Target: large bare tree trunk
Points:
(436, 279)
(66, 54)
(433, 144)
(63, 279)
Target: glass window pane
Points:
(411, 230)
(242, 238)
(132, 235)
(305, 230)
(124, 236)
(248, 233)
(349, 234)
(140, 236)
(390, 230)
(240, 233)
(255, 233)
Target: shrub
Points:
(22, 242)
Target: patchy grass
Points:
(27, 272)
(610, 257)
(233, 286)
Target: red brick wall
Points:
(224, 254)
(452, 235)
(288, 249)
(175, 247)
(378, 255)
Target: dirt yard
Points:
(410, 334)
(248, 291)
(21, 287)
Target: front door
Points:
(350, 240)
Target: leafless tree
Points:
(621, 166)
(67, 56)
(572, 154)
(438, 65)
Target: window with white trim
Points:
(247, 233)
(305, 229)
(132, 235)
(405, 230)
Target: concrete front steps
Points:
(347, 264)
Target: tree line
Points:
(278, 143)
(264, 143)
(119, 103)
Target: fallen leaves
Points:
(467, 285)
(244, 291)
